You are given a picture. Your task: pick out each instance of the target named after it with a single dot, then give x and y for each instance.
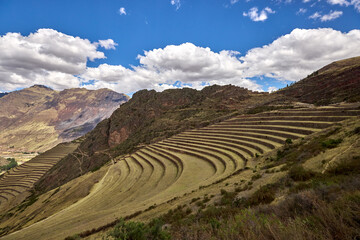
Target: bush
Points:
(228, 198)
(256, 177)
(298, 173)
(331, 143)
(264, 195)
(10, 165)
(288, 141)
(138, 231)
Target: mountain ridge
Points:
(37, 118)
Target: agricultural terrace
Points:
(179, 165)
(22, 178)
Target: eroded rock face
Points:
(38, 118)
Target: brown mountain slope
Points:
(148, 117)
(38, 118)
(336, 82)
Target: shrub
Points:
(264, 195)
(298, 173)
(256, 177)
(228, 198)
(139, 231)
(288, 141)
(331, 143)
(12, 163)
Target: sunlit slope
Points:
(181, 164)
(15, 184)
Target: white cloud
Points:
(256, 16)
(107, 44)
(176, 3)
(44, 57)
(122, 11)
(301, 11)
(316, 15)
(332, 15)
(185, 63)
(295, 55)
(356, 4)
(272, 89)
(346, 3)
(339, 2)
(59, 61)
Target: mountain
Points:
(336, 82)
(148, 117)
(2, 94)
(38, 118)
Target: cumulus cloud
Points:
(272, 89)
(122, 11)
(59, 61)
(44, 57)
(297, 54)
(257, 16)
(107, 44)
(186, 63)
(176, 3)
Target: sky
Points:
(129, 45)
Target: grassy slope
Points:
(336, 82)
(131, 186)
(307, 190)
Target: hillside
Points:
(149, 116)
(336, 82)
(37, 118)
(189, 165)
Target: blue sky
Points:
(211, 26)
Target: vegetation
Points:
(139, 231)
(260, 109)
(12, 163)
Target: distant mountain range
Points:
(3, 94)
(38, 118)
